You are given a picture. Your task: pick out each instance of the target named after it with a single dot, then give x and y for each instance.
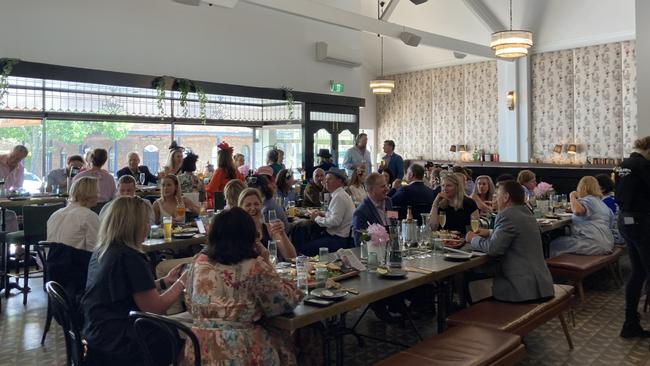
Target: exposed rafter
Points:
(388, 10)
(485, 15)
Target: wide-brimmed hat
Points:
(324, 153)
(339, 173)
(265, 170)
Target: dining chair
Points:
(145, 322)
(219, 200)
(64, 313)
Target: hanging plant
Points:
(203, 101)
(159, 84)
(288, 96)
(183, 86)
(7, 67)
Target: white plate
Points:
(565, 215)
(457, 256)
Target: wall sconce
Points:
(452, 148)
(557, 149)
(510, 100)
(572, 149)
(461, 148)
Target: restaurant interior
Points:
(311, 182)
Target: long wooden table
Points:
(7, 203)
(155, 245)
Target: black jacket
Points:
(148, 177)
(633, 184)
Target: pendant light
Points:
(511, 43)
(381, 85)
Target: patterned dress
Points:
(227, 303)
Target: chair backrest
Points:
(146, 321)
(64, 311)
(219, 200)
(35, 219)
(67, 266)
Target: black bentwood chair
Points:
(66, 315)
(145, 322)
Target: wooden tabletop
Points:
(152, 245)
(7, 203)
(556, 224)
(372, 288)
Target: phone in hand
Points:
(200, 225)
(313, 301)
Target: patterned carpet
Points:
(595, 335)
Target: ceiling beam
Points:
(341, 18)
(485, 15)
(388, 11)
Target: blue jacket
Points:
(413, 194)
(396, 166)
(367, 213)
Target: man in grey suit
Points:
(516, 242)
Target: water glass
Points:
(55, 189)
(438, 246)
(323, 254)
(373, 262)
(302, 274)
(273, 251)
(363, 251)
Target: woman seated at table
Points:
(390, 178)
(105, 182)
(76, 224)
(285, 181)
(528, 180)
(483, 193)
(187, 180)
(459, 209)
(171, 202)
(591, 225)
(225, 172)
(467, 175)
(175, 159)
(251, 201)
(357, 188)
(264, 186)
(231, 286)
(231, 191)
(120, 280)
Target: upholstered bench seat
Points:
(462, 346)
(514, 318)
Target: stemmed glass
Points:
(424, 241)
(142, 178)
(272, 216)
(442, 219)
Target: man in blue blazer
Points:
(416, 194)
(373, 208)
(393, 161)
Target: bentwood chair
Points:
(146, 322)
(65, 313)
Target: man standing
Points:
(373, 208)
(416, 194)
(393, 161)
(338, 218)
(314, 189)
(60, 176)
(134, 169)
(516, 241)
(12, 170)
(358, 156)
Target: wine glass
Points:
(424, 239)
(273, 251)
(476, 224)
(442, 219)
(272, 215)
(142, 178)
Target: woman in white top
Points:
(357, 188)
(171, 201)
(77, 225)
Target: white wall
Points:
(642, 60)
(247, 45)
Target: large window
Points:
(288, 138)
(203, 140)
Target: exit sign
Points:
(336, 87)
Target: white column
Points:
(642, 60)
(514, 125)
(523, 109)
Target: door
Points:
(329, 127)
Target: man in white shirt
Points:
(338, 218)
(12, 170)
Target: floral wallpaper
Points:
(585, 95)
(433, 109)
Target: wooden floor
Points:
(595, 336)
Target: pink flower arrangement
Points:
(543, 190)
(377, 234)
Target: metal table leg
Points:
(443, 303)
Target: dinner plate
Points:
(457, 257)
(393, 274)
(183, 235)
(328, 294)
(18, 198)
(565, 215)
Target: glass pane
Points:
(322, 140)
(150, 141)
(332, 117)
(346, 141)
(286, 138)
(26, 132)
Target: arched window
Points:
(63, 156)
(150, 157)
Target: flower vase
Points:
(380, 249)
(543, 205)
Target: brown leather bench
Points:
(575, 268)
(515, 318)
(462, 346)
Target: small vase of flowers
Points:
(376, 237)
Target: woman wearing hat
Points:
(225, 172)
(325, 162)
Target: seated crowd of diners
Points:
(231, 284)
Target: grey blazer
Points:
(516, 241)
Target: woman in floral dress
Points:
(231, 286)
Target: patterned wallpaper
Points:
(433, 109)
(587, 96)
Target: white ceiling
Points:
(556, 24)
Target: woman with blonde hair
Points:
(250, 200)
(232, 190)
(119, 281)
(76, 224)
(172, 202)
(357, 187)
(592, 223)
(459, 210)
(174, 159)
(483, 193)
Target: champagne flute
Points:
(272, 216)
(442, 219)
(142, 178)
(476, 224)
(273, 251)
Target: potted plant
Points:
(184, 86)
(159, 84)
(288, 96)
(7, 66)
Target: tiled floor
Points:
(595, 335)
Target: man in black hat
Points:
(325, 160)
